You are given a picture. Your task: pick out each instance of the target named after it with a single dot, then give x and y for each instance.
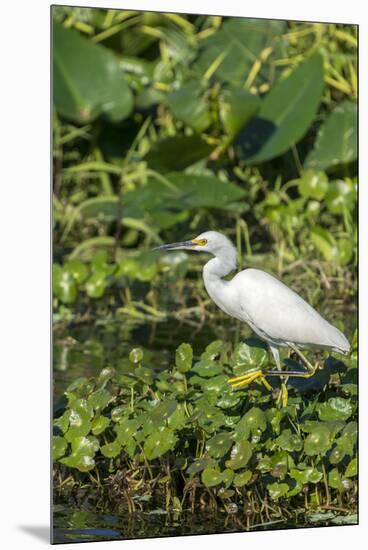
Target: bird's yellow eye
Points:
(200, 242)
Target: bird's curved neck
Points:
(217, 268)
(215, 285)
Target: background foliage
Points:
(166, 125)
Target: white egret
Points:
(277, 314)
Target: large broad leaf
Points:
(87, 79)
(161, 204)
(189, 106)
(237, 106)
(285, 116)
(177, 153)
(237, 46)
(337, 140)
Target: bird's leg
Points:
(283, 395)
(311, 369)
(246, 379)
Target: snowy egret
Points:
(277, 314)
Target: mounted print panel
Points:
(204, 274)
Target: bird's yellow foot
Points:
(246, 379)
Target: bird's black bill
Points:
(176, 246)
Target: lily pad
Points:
(100, 399)
(219, 444)
(277, 490)
(159, 442)
(248, 356)
(289, 441)
(313, 184)
(242, 479)
(111, 450)
(184, 357)
(83, 463)
(200, 464)
(240, 455)
(211, 477)
(100, 424)
(352, 468)
(335, 408)
(318, 441)
(126, 429)
(59, 446)
(207, 368)
(256, 420)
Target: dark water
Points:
(74, 525)
(83, 350)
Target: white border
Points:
(25, 238)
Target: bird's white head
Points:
(210, 241)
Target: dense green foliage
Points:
(184, 427)
(164, 126)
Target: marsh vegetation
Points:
(164, 126)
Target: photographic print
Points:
(204, 192)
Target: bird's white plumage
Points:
(274, 311)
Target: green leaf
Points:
(286, 114)
(277, 490)
(126, 429)
(164, 410)
(248, 356)
(136, 356)
(236, 46)
(289, 441)
(104, 208)
(348, 439)
(255, 419)
(83, 463)
(159, 442)
(111, 450)
(334, 479)
(100, 424)
(64, 285)
(352, 468)
(219, 444)
(184, 357)
(337, 139)
(324, 242)
(308, 475)
(85, 445)
(240, 455)
(340, 197)
(215, 384)
(336, 455)
(207, 368)
(200, 464)
(212, 350)
(313, 184)
(237, 106)
(242, 479)
(96, 284)
(318, 441)
(100, 399)
(59, 446)
(189, 105)
(80, 416)
(87, 79)
(177, 153)
(335, 408)
(211, 477)
(78, 270)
